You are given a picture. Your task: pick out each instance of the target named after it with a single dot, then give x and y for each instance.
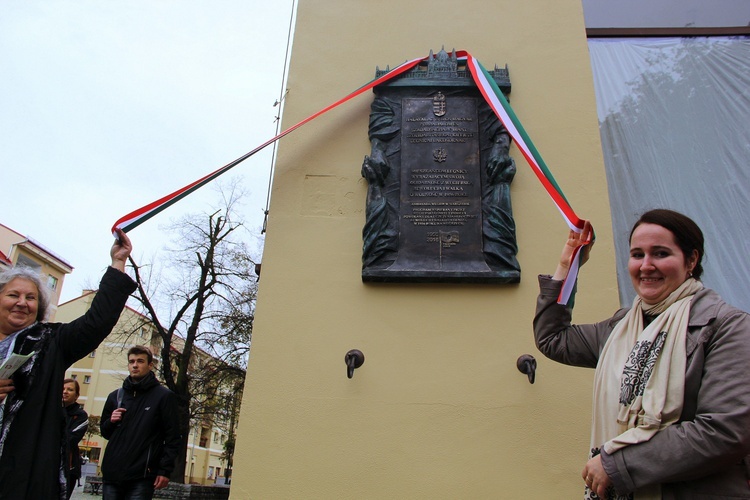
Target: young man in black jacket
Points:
(140, 422)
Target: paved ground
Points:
(78, 494)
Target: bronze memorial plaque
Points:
(441, 222)
(439, 173)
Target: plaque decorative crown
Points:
(444, 69)
(442, 65)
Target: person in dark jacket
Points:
(140, 421)
(32, 420)
(77, 425)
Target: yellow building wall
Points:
(201, 458)
(439, 409)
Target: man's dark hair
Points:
(141, 349)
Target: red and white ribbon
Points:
(494, 98)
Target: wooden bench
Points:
(95, 482)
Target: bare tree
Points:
(93, 428)
(210, 295)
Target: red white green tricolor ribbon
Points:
(504, 112)
(494, 98)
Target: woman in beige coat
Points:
(671, 410)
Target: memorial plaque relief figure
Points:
(498, 225)
(380, 233)
(439, 174)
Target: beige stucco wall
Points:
(439, 409)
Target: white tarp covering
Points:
(674, 117)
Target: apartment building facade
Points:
(104, 370)
(17, 249)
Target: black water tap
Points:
(527, 364)
(354, 359)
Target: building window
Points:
(223, 438)
(74, 376)
(210, 472)
(93, 354)
(216, 437)
(27, 262)
(94, 454)
(204, 437)
(51, 282)
(87, 379)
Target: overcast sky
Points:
(108, 106)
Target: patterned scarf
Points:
(643, 369)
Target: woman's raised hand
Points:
(585, 238)
(120, 250)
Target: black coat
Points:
(146, 442)
(34, 450)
